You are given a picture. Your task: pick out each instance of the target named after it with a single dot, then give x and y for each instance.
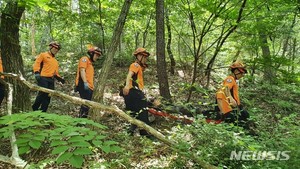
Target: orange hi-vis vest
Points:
(49, 65)
(87, 64)
(137, 79)
(226, 93)
(1, 68)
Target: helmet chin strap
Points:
(235, 76)
(91, 55)
(142, 64)
(51, 51)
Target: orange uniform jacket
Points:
(50, 65)
(230, 82)
(1, 68)
(138, 72)
(87, 64)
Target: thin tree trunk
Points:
(99, 90)
(145, 33)
(33, 48)
(269, 73)
(136, 39)
(293, 54)
(102, 33)
(171, 56)
(160, 47)
(11, 52)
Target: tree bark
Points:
(160, 53)
(99, 90)
(11, 52)
(171, 56)
(145, 33)
(102, 33)
(269, 73)
(33, 48)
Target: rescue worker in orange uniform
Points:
(45, 70)
(227, 97)
(2, 87)
(85, 78)
(134, 97)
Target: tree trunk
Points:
(269, 73)
(11, 52)
(99, 90)
(136, 39)
(145, 33)
(171, 56)
(102, 33)
(160, 53)
(33, 49)
(293, 55)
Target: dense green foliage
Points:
(65, 137)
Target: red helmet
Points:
(141, 51)
(55, 44)
(238, 65)
(94, 50)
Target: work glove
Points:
(37, 76)
(61, 80)
(86, 86)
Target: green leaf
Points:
(71, 133)
(110, 142)
(6, 132)
(82, 151)
(23, 150)
(97, 143)
(100, 137)
(106, 148)
(55, 137)
(39, 137)
(35, 144)
(59, 149)
(116, 149)
(63, 157)
(88, 137)
(80, 144)
(76, 139)
(58, 142)
(27, 135)
(76, 161)
(22, 141)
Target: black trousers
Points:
(2, 92)
(42, 100)
(136, 102)
(84, 94)
(235, 116)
